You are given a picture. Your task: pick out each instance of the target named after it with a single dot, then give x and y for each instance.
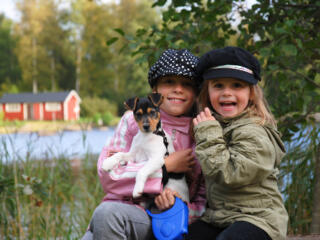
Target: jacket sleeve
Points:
(248, 157)
(120, 142)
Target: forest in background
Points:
(104, 51)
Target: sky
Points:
(8, 8)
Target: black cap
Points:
(173, 62)
(229, 62)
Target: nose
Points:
(178, 87)
(146, 126)
(227, 91)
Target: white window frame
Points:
(13, 107)
(52, 106)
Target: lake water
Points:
(71, 144)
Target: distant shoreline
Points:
(44, 128)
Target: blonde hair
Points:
(257, 106)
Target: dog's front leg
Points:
(115, 159)
(151, 166)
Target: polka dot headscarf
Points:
(173, 62)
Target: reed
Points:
(51, 198)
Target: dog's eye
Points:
(153, 113)
(138, 115)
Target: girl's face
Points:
(178, 94)
(228, 96)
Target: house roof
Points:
(34, 97)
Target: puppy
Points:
(151, 145)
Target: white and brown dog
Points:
(151, 144)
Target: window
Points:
(13, 107)
(53, 106)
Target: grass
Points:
(51, 198)
(50, 127)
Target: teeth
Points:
(229, 103)
(176, 99)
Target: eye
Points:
(153, 113)
(168, 81)
(238, 85)
(138, 115)
(217, 85)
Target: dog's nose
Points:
(146, 126)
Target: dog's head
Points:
(146, 111)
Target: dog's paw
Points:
(107, 165)
(137, 191)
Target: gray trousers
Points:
(115, 220)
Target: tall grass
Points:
(51, 198)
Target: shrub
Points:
(92, 106)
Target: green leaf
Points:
(280, 30)
(112, 41)
(290, 49)
(317, 78)
(179, 3)
(119, 30)
(159, 3)
(265, 52)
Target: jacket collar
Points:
(225, 121)
(181, 124)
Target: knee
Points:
(106, 213)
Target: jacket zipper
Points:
(173, 135)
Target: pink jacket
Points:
(119, 181)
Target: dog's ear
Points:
(156, 99)
(131, 103)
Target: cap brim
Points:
(229, 73)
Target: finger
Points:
(195, 122)
(176, 194)
(207, 112)
(192, 163)
(203, 115)
(170, 199)
(160, 201)
(188, 150)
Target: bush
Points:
(107, 118)
(90, 107)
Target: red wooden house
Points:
(41, 106)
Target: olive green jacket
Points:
(239, 159)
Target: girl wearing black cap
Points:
(121, 217)
(239, 150)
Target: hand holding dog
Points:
(203, 116)
(180, 161)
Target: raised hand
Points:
(203, 116)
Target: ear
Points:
(131, 103)
(156, 99)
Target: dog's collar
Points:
(159, 131)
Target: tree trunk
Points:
(78, 67)
(34, 66)
(53, 70)
(315, 224)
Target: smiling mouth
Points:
(228, 104)
(179, 100)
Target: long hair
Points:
(257, 106)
